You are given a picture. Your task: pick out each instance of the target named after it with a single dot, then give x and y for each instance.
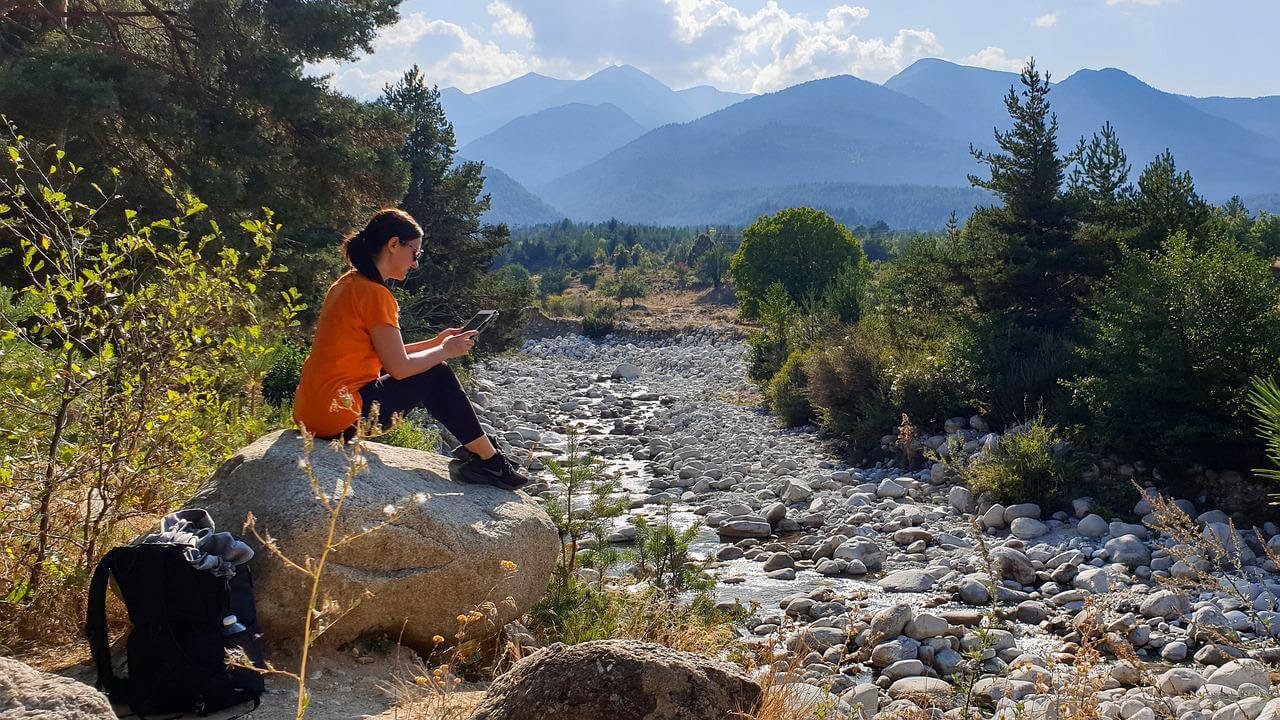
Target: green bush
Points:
(1029, 465)
(787, 392)
(281, 380)
(661, 555)
(843, 298)
(132, 360)
(589, 277)
(552, 281)
(567, 305)
(412, 434)
(801, 248)
(599, 321)
(861, 382)
(1176, 338)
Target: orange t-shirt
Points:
(342, 354)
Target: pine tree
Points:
(1027, 174)
(1100, 177)
(448, 201)
(1167, 203)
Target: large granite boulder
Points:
(618, 680)
(442, 557)
(28, 694)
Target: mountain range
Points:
(621, 144)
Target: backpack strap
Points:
(96, 630)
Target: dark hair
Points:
(362, 247)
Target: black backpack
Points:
(177, 649)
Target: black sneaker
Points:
(496, 471)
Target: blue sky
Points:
(1195, 47)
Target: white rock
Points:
(1027, 528)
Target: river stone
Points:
(625, 371)
(440, 558)
(907, 581)
(993, 517)
(28, 694)
(1093, 580)
(903, 669)
(890, 489)
(960, 498)
(890, 622)
(1012, 564)
(865, 699)
(1238, 672)
(1021, 510)
(1025, 528)
(926, 625)
(1129, 550)
(863, 549)
(1179, 681)
(915, 687)
(1164, 604)
(973, 592)
(806, 701)
(745, 529)
(1093, 526)
(817, 638)
(779, 561)
(618, 680)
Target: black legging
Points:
(437, 390)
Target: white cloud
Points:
(444, 50)
(1046, 21)
(773, 48)
(509, 21)
(994, 58)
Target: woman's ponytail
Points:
(361, 248)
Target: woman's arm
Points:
(401, 362)
(433, 342)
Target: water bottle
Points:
(231, 625)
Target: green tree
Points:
(1100, 178)
(800, 248)
(1021, 262)
(1175, 339)
(214, 93)
(1167, 203)
(713, 263)
(448, 200)
(1027, 173)
(631, 285)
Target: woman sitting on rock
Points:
(358, 338)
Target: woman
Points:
(358, 336)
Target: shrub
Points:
(1027, 465)
(552, 281)
(801, 248)
(589, 277)
(599, 321)
(130, 364)
(1175, 340)
(567, 305)
(860, 383)
(787, 391)
(843, 298)
(411, 433)
(661, 555)
(281, 379)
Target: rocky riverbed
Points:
(879, 581)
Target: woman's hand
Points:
(444, 335)
(458, 343)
